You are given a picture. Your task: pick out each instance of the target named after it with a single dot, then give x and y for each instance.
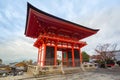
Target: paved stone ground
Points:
(98, 74)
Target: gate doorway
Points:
(62, 58)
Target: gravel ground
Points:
(98, 74)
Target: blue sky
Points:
(97, 14)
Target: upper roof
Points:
(37, 19)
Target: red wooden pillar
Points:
(55, 55)
(80, 56)
(73, 60)
(44, 53)
(62, 57)
(39, 55)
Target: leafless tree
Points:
(106, 51)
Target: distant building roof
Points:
(3, 65)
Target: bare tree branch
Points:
(106, 51)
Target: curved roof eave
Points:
(29, 6)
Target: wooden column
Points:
(41, 56)
(73, 60)
(44, 53)
(55, 55)
(39, 53)
(80, 56)
(62, 57)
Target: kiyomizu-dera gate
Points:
(54, 34)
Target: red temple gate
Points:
(55, 34)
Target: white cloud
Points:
(107, 20)
(19, 49)
(100, 14)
